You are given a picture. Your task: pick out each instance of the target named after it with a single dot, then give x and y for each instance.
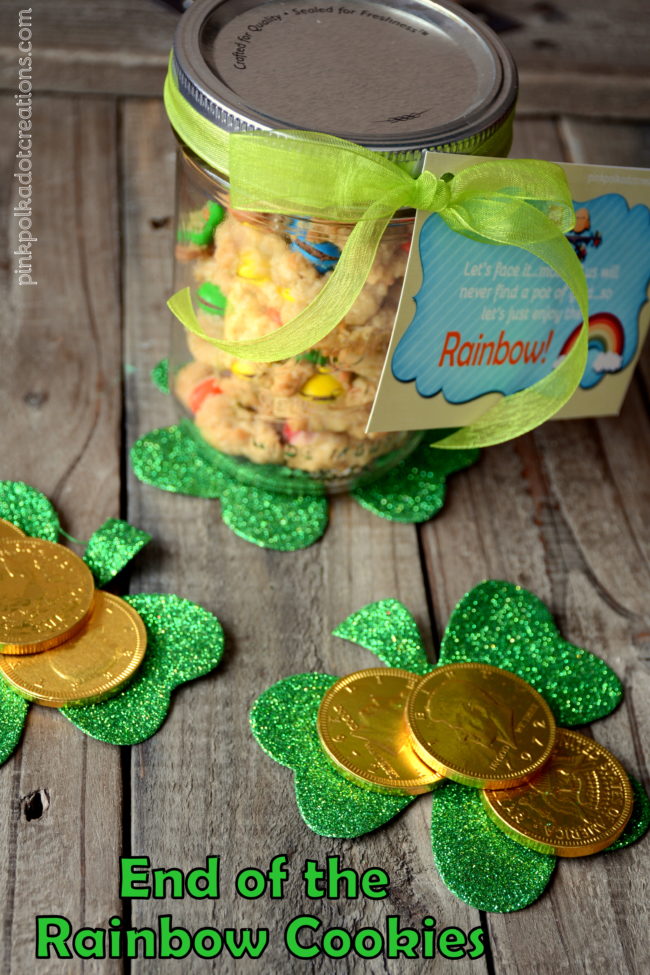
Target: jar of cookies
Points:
(394, 79)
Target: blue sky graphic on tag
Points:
(496, 319)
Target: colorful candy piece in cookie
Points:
(207, 387)
(321, 387)
(274, 315)
(212, 300)
(315, 357)
(323, 254)
(242, 368)
(253, 267)
(297, 438)
(201, 225)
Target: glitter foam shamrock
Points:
(497, 623)
(184, 641)
(173, 459)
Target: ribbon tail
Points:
(521, 412)
(328, 308)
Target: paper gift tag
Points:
(479, 321)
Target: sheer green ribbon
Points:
(525, 203)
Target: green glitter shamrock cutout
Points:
(184, 641)
(496, 623)
(281, 508)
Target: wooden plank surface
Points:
(119, 47)
(563, 511)
(578, 58)
(581, 58)
(60, 373)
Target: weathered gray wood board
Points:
(581, 58)
(60, 371)
(119, 47)
(563, 511)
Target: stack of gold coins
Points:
(553, 790)
(61, 641)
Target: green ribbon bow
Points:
(521, 202)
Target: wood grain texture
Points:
(120, 47)
(60, 375)
(582, 58)
(564, 512)
(203, 785)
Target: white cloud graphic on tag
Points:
(607, 362)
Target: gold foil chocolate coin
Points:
(46, 592)
(480, 725)
(9, 531)
(362, 729)
(578, 804)
(90, 666)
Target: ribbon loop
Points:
(431, 193)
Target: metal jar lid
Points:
(394, 78)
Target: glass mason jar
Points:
(393, 80)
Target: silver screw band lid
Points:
(397, 79)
